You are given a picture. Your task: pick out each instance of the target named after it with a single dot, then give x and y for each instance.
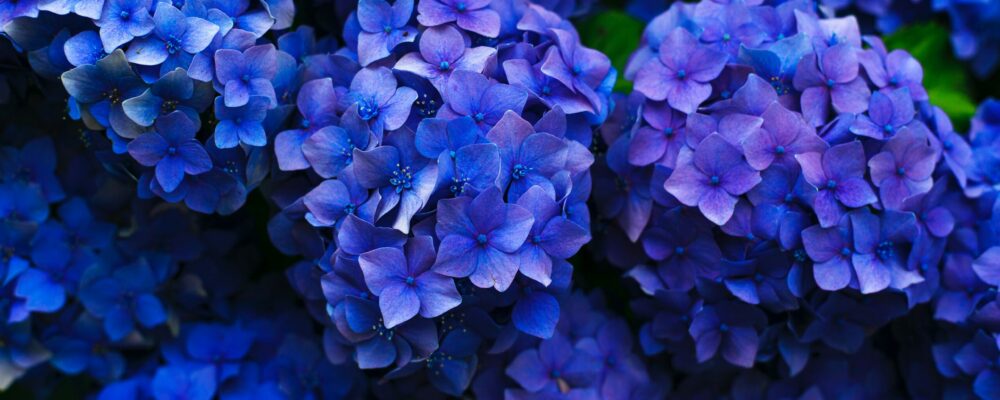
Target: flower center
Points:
(885, 250)
(789, 198)
(845, 251)
(900, 171)
(402, 178)
(349, 209)
(779, 150)
(171, 150)
(367, 109)
(461, 6)
(546, 90)
(715, 180)
(479, 117)
(410, 280)
(577, 70)
(113, 96)
(948, 144)
(681, 74)
(888, 128)
(387, 29)
(172, 44)
(245, 78)
(725, 94)
(668, 132)
(482, 239)
(679, 250)
(381, 330)
(520, 170)
(125, 15)
(723, 327)
(831, 184)
(168, 106)
(830, 82)
(726, 37)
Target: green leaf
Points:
(946, 79)
(616, 34)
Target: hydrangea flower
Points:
(681, 75)
(172, 149)
(838, 176)
(175, 38)
(384, 27)
(479, 238)
(711, 177)
(471, 15)
(404, 283)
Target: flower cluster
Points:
(148, 300)
(785, 189)
(973, 36)
(446, 184)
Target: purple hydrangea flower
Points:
(888, 112)
(474, 95)
(175, 38)
(471, 15)
(528, 158)
(443, 50)
(172, 149)
(830, 78)
(247, 73)
(552, 237)
(404, 178)
(730, 329)
(383, 27)
(554, 367)
(380, 102)
(123, 20)
(839, 176)
(662, 140)
(404, 283)
(783, 135)
(579, 68)
(243, 124)
(682, 74)
(711, 178)
(903, 168)
(480, 237)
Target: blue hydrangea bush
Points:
(342, 200)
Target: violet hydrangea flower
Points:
(682, 74)
(247, 73)
(903, 168)
(404, 178)
(380, 102)
(711, 178)
(175, 38)
(474, 95)
(839, 176)
(383, 27)
(783, 135)
(404, 283)
(552, 236)
(172, 149)
(471, 15)
(479, 237)
(123, 20)
(831, 79)
(888, 112)
(443, 50)
(243, 124)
